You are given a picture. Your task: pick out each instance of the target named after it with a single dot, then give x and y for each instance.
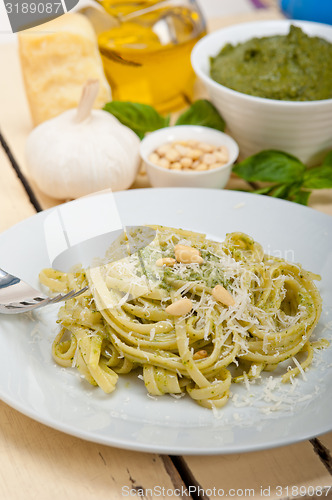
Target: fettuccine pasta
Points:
(192, 314)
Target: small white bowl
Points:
(163, 177)
(301, 128)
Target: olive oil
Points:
(146, 55)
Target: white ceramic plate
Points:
(33, 384)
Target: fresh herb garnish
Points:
(319, 177)
(202, 112)
(142, 118)
(270, 166)
(287, 176)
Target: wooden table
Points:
(37, 462)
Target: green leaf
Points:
(264, 190)
(292, 192)
(202, 112)
(271, 166)
(281, 191)
(328, 159)
(141, 118)
(301, 197)
(318, 177)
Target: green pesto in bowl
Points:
(292, 67)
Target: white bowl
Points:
(303, 129)
(163, 177)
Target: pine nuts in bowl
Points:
(188, 156)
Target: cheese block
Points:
(57, 58)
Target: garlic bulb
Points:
(82, 151)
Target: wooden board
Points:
(14, 201)
(276, 473)
(41, 463)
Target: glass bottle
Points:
(145, 47)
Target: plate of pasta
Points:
(214, 337)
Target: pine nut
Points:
(154, 158)
(186, 162)
(209, 159)
(162, 150)
(166, 261)
(194, 154)
(182, 150)
(189, 155)
(205, 147)
(197, 259)
(176, 166)
(220, 294)
(187, 255)
(183, 256)
(186, 247)
(162, 162)
(200, 354)
(180, 307)
(172, 155)
(222, 156)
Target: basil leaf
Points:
(264, 190)
(318, 177)
(328, 159)
(301, 197)
(271, 166)
(292, 192)
(281, 191)
(141, 118)
(202, 112)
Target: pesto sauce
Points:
(292, 67)
(207, 274)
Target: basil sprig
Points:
(287, 176)
(142, 118)
(319, 177)
(202, 112)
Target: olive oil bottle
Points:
(146, 50)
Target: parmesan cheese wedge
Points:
(57, 58)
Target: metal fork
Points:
(16, 296)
